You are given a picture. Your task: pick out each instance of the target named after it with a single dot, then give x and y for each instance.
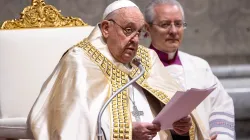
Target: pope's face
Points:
(167, 29)
(123, 33)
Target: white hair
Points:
(150, 12)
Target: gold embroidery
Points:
(40, 15)
(192, 131)
(145, 59)
(146, 62)
(121, 118)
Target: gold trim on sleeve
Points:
(40, 15)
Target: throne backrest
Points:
(30, 48)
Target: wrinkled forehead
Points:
(130, 15)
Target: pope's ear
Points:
(105, 25)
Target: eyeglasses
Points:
(129, 31)
(168, 24)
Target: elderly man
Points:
(91, 71)
(166, 24)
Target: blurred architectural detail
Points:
(40, 15)
(236, 81)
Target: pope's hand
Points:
(144, 130)
(182, 126)
(214, 137)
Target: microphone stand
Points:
(142, 71)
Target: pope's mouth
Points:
(131, 49)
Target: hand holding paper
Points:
(182, 126)
(181, 105)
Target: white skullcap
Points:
(117, 5)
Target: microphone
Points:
(135, 61)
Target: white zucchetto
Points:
(117, 5)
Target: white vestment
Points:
(217, 110)
(86, 76)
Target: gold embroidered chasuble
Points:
(119, 108)
(75, 102)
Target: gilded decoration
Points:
(120, 111)
(40, 15)
(119, 108)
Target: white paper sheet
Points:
(181, 105)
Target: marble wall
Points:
(218, 30)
